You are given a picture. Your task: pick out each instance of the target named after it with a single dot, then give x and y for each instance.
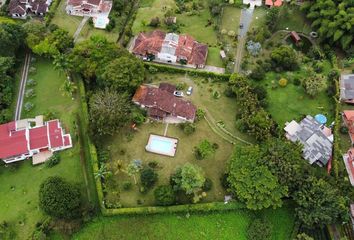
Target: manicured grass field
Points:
(214, 58)
(88, 31)
(65, 21)
(258, 17)
(291, 102)
(230, 18)
(223, 225)
(194, 25)
(292, 18)
(20, 181)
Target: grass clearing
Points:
(292, 18)
(258, 17)
(194, 25)
(215, 225)
(230, 20)
(64, 20)
(21, 181)
(88, 31)
(214, 58)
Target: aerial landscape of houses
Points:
(21, 8)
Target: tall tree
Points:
(109, 111)
(284, 58)
(11, 38)
(123, 74)
(253, 183)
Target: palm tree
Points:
(102, 172)
(133, 168)
(68, 88)
(118, 167)
(61, 63)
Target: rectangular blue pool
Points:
(162, 145)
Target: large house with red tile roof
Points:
(97, 9)
(162, 105)
(27, 138)
(170, 48)
(21, 8)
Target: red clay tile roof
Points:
(94, 2)
(199, 54)
(152, 97)
(149, 42)
(167, 87)
(16, 7)
(349, 115)
(55, 134)
(12, 143)
(277, 3)
(38, 137)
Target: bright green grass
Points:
(88, 31)
(195, 25)
(291, 102)
(293, 19)
(21, 204)
(223, 225)
(6, 20)
(214, 58)
(258, 17)
(64, 20)
(230, 18)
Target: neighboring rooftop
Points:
(316, 138)
(349, 164)
(274, 3)
(347, 88)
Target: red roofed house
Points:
(20, 8)
(162, 105)
(349, 164)
(97, 9)
(170, 48)
(296, 38)
(348, 119)
(274, 3)
(19, 140)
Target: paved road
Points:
(22, 88)
(79, 28)
(245, 19)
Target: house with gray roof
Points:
(347, 88)
(316, 138)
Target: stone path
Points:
(79, 28)
(22, 88)
(166, 128)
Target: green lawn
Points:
(6, 20)
(88, 31)
(20, 182)
(258, 17)
(230, 18)
(223, 225)
(292, 18)
(194, 25)
(127, 146)
(64, 20)
(291, 102)
(214, 58)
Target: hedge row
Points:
(51, 12)
(337, 123)
(91, 147)
(201, 207)
(192, 72)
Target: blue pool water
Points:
(161, 145)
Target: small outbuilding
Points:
(295, 37)
(222, 54)
(170, 20)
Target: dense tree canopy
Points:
(333, 19)
(11, 38)
(319, 203)
(253, 183)
(123, 74)
(59, 198)
(284, 58)
(91, 56)
(188, 178)
(109, 111)
(164, 195)
(6, 87)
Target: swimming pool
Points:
(162, 145)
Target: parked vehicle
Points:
(178, 93)
(189, 90)
(241, 25)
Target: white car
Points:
(189, 90)
(178, 93)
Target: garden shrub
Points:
(216, 94)
(229, 93)
(200, 114)
(127, 185)
(29, 106)
(138, 117)
(30, 93)
(297, 81)
(181, 86)
(259, 229)
(103, 155)
(148, 178)
(164, 195)
(208, 184)
(153, 164)
(203, 150)
(53, 160)
(31, 82)
(283, 82)
(188, 128)
(223, 180)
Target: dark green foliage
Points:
(258, 73)
(148, 177)
(164, 195)
(203, 150)
(123, 74)
(155, 22)
(223, 180)
(127, 185)
(11, 39)
(6, 232)
(200, 114)
(53, 160)
(189, 178)
(271, 18)
(6, 87)
(208, 184)
(188, 128)
(109, 111)
(111, 24)
(153, 164)
(259, 229)
(284, 58)
(59, 198)
(343, 130)
(138, 116)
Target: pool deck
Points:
(171, 152)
